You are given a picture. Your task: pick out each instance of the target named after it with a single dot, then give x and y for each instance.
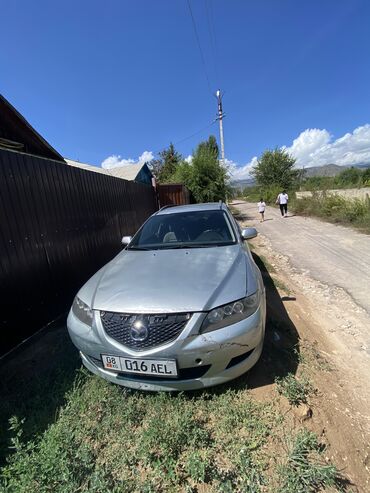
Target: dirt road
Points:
(329, 253)
(331, 265)
(325, 271)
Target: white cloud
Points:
(240, 172)
(307, 144)
(115, 161)
(189, 159)
(315, 147)
(146, 157)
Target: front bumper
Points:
(218, 356)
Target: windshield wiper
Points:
(139, 248)
(189, 245)
(178, 246)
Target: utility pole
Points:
(220, 116)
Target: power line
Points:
(190, 136)
(199, 46)
(212, 35)
(195, 133)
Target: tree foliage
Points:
(275, 167)
(366, 176)
(165, 166)
(350, 176)
(204, 176)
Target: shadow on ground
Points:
(34, 379)
(280, 354)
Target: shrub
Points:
(305, 471)
(296, 391)
(336, 209)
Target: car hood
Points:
(167, 281)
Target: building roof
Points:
(88, 167)
(17, 134)
(128, 172)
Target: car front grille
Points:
(158, 329)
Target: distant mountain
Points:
(247, 182)
(330, 169)
(363, 165)
(326, 170)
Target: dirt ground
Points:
(332, 338)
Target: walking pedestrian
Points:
(261, 209)
(282, 200)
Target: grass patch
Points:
(296, 391)
(110, 439)
(336, 209)
(305, 471)
(35, 386)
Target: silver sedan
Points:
(181, 307)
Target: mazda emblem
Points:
(139, 332)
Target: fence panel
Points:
(173, 194)
(58, 225)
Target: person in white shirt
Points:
(261, 209)
(282, 200)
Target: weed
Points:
(336, 209)
(311, 357)
(304, 470)
(296, 391)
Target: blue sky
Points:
(121, 77)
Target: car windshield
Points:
(184, 230)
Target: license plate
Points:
(165, 368)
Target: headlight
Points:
(82, 311)
(230, 314)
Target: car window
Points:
(185, 229)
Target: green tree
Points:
(366, 176)
(275, 168)
(349, 177)
(205, 176)
(165, 166)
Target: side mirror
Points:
(249, 233)
(126, 240)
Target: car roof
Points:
(209, 206)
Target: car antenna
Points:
(220, 203)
